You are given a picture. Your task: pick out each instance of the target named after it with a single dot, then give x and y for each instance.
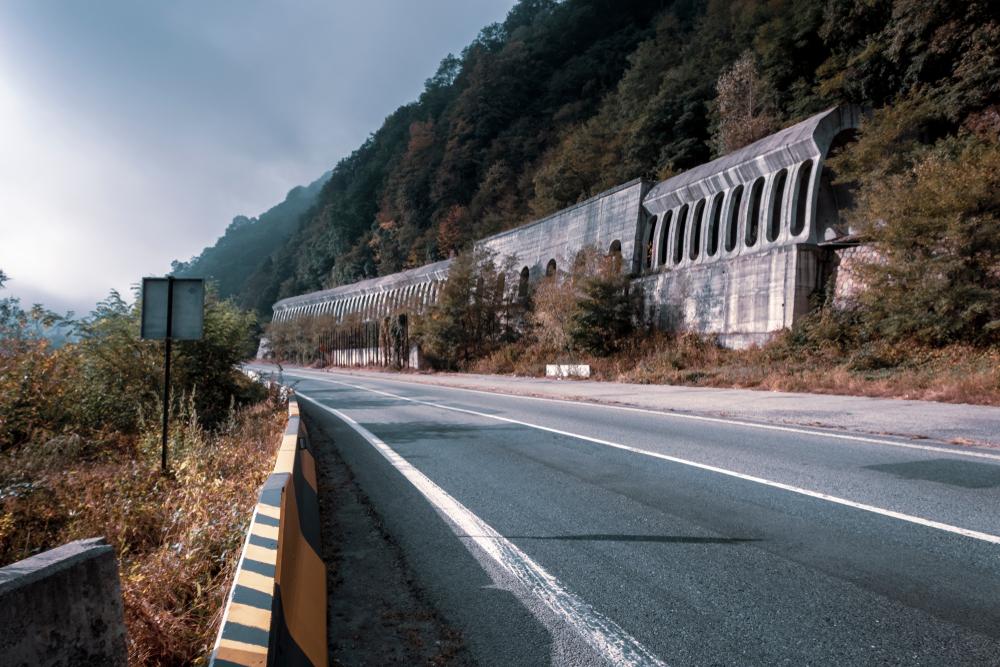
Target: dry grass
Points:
(954, 374)
(177, 536)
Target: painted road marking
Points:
(986, 537)
(605, 636)
(681, 415)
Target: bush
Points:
(120, 383)
(605, 313)
(79, 457)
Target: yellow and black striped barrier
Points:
(276, 612)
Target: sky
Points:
(132, 132)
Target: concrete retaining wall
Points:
(372, 356)
(609, 217)
(276, 612)
(744, 301)
(63, 607)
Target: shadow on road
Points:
(965, 474)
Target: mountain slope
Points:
(564, 99)
(247, 242)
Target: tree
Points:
(122, 375)
(742, 111)
(450, 236)
(606, 310)
(471, 316)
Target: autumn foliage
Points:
(79, 457)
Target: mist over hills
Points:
(247, 242)
(564, 99)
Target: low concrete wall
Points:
(63, 607)
(276, 612)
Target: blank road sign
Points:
(188, 306)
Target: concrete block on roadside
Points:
(63, 607)
(567, 370)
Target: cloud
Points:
(133, 132)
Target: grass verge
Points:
(952, 374)
(177, 536)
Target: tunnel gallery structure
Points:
(734, 247)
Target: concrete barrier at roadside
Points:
(63, 607)
(567, 370)
(276, 611)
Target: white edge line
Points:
(986, 537)
(682, 415)
(605, 636)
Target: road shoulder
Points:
(973, 426)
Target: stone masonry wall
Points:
(846, 280)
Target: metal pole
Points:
(166, 371)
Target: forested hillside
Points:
(564, 99)
(247, 242)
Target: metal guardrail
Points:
(276, 610)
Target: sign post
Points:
(172, 308)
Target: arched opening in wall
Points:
(777, 205)
(834, 196)
(522, 285)
(732, 228)
(802, 198)
(550, 268)
(648, 259)
(682, 219)
(699, 212)
(715, 225)
(661, 257)
(615, 255)
(753, 212)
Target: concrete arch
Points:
(697, 229)
(681, 234)
(649, 260)
(663, 243)
(713, 233)
(775, 212)
(752, 232)
(732, 216)
(802, 195)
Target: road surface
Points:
(574, 533)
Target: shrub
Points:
(929, 201)
(605, 313)
(937, 228)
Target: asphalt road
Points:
(572, 533)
